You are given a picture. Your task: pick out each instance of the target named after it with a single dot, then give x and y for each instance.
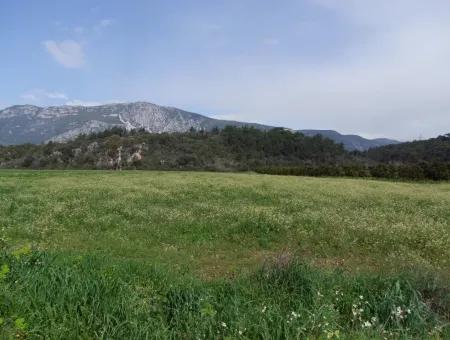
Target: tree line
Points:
(277, 151)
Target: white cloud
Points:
(79, 29)
(101, 25)
(38, 95)
(29, 96)
(44, 97)
(78, 102)
(105, 22)
(392, 80)
(68, 53)
(270, 41)
(56, 95)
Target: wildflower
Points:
(332, 334)
(366, 324)
(361, 297)
(264, 309)
(294, 315)
(399, 313)
(224, 325)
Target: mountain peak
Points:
(33, 124)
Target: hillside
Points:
(231, 148)
(351, 142)
(430, 150)
(276, 151)
(32, 124)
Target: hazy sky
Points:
(371, 67)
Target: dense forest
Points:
(430, 150)
(231, 148)
(276, 151)
(417, 160)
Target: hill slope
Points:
(230, 148)
(32, 124)
(430, 150)
(351, 142)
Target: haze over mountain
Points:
(351, 142)
(33, 124)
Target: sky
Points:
(378, 68)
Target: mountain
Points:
(351, 142)
(33, 124)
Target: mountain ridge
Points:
(351, 141)
(21, 124)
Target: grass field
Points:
(212, 255)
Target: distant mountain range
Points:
(351, 142)
(32, 124)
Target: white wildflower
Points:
(366, 324)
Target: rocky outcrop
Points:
(33, 124)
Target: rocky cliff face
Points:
(32, 124)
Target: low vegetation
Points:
(114, 255)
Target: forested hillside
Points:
(430, 150)
(229, 149)
(277, 151)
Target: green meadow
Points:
(195, 255)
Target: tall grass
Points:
(61, 296)
(158, 255)
(216, 223)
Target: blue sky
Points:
(376, 68)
